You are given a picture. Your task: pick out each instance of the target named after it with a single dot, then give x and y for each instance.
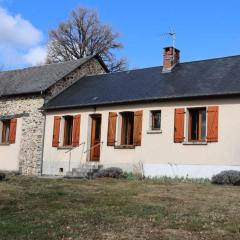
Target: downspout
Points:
(44, 124)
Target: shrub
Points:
(227, 177)
(112, 172)
(2, 176)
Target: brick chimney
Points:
(171, 57)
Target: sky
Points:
(205, 29)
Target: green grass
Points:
(33, 208)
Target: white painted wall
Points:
(158, 151)
(9, 154)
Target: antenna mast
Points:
(171, 34)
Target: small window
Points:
(68, 128)
(156, 120)
(197, 124)
(127, 128)
(5, 131)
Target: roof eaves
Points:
(21, 94)
(45, 107)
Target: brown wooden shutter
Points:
(179, 125)
(212, 124)
(56, 130)
(13, 129)
(137, 131)
(112, 121)
(76, 130)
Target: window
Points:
(127, 128)
(66, 131)
(197, 124)
(68, 128)
(156, 120)
(5, 131)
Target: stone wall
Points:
(91, 67)
(30, 155)
(31, 145)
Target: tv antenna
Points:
(172, 34)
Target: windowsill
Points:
(195, 143)
(65, 147)
(154, 131)
(124, 147)
(4, 144)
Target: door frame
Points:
(92, 129)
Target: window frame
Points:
(5, 125)
(152, 128)
(130, 129)
(66, 120)
(199, 124)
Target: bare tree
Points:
(83, 35)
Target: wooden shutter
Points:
(56, 130)
(112, 121)
(13, 129)
(179, 125)
(76, 130)
(212, 124)
(137, 130)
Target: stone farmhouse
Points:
(179, 119)
(22, 95)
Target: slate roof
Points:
(213, 77)
(37, 79)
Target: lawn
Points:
(34, 208)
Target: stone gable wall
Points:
(91, 67)
(30, 154)
(31, 145)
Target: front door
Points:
(95, 138)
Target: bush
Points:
(227, 177)
(2, 176)
(112, 172)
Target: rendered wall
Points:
(158, 151)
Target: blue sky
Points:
(205, 29)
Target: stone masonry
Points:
(31, 149)
(89, 68)
(32, 130)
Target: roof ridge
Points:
(160, 66)
(210, 59)
(46, 64)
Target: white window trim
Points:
(118, 129)
(150, 115)
(61, 133)
(156, 131)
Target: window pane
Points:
(98, 128)
(194, 127)
(197, 124)
(68, 130)
(127, 128)
(156, 120)
(203, 130)
(7, 131)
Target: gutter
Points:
(124, 102)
